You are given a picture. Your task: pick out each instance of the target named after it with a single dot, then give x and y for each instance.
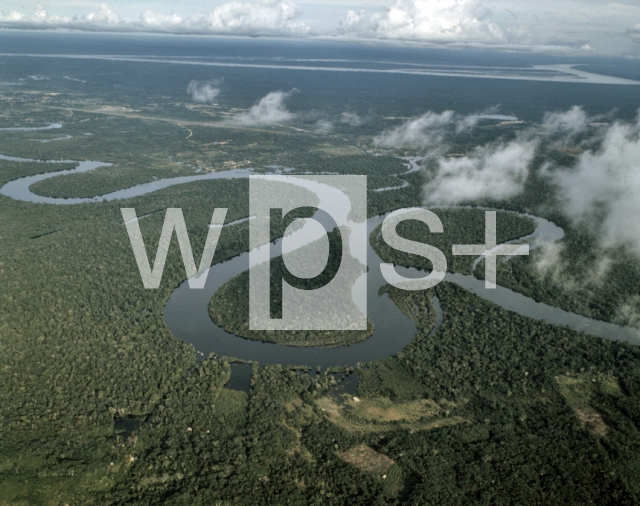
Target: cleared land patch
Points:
(380, 414)
(367, 459)
(578, 391)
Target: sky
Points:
(571, 27)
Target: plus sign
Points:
(489, 250)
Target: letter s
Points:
(391, 237)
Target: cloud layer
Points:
(265, 17)
(425, 20)
(603, 188)
(566, 27)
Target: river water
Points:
(186, 312)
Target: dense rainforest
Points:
(101, 404)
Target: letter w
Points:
(173, 220)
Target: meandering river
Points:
(186, 312)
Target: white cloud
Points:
(351, 119)
(423, 132)
(264, 17)
(629, 312)
(549, 261)
(573, 121)
(552, 264)
(324, 124)
(496, 171)
(268, 110)
(634, 32)
(561, 27)
(430, 131)
(603, 188)
(204, 92)
(426, 20)
(104, 19)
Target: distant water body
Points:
(50, 126)
(562, 73)
(308, 56)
